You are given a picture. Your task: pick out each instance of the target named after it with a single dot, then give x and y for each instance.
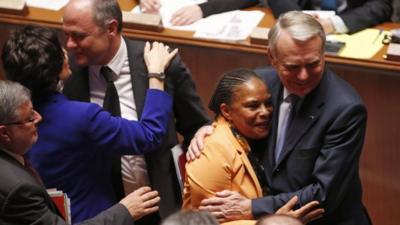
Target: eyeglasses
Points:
(34, 117)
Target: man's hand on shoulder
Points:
(197, 142)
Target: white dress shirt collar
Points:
(116, 62)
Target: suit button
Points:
(277, 170)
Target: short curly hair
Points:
(34, 57)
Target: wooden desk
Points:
(377, 80)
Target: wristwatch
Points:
(160, 76)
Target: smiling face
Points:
(90, 43)
(249, 110)
(300, 64)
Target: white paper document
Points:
(47, 4)
(230, 26)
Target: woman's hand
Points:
(157, 58)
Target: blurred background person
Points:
(77, 139)
(190, 14)
(352, 15)
(23, 198)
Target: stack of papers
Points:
(230, 26)
(47, 4)
(17, 5)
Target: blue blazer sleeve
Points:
(121, 136)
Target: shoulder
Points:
(221, 142)
(340, 91)
(15, 181)
(69, 108)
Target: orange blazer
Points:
(223, 165)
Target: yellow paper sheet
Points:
(361, 45)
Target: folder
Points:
(62, 202)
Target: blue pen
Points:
(377, 36)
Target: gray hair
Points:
(12, 96)
(104, 11)
(190, 218)
(300, 26)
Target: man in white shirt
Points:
(94, 39)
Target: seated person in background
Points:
(352, 15)
(192, 13)
(190, 218)
(276, 219)
(77, 138)
(23, 199)
(241, 103)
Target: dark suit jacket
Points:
(358, 15)
(218, 6)
(320, 157)
(24, 201)
(189, 115)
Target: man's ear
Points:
(270, 56)
(4, 135)
(113, 27)
(225, 111)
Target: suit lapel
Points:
(278, 89)
(242, 148)
(252, 173)
(138, 72)
(309, 112)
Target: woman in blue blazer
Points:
(78, 139)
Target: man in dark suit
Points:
(94, 39)
(317, 134)
(352, 15)
(23, 198)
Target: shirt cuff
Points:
(339, 25)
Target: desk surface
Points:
(53, 19)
